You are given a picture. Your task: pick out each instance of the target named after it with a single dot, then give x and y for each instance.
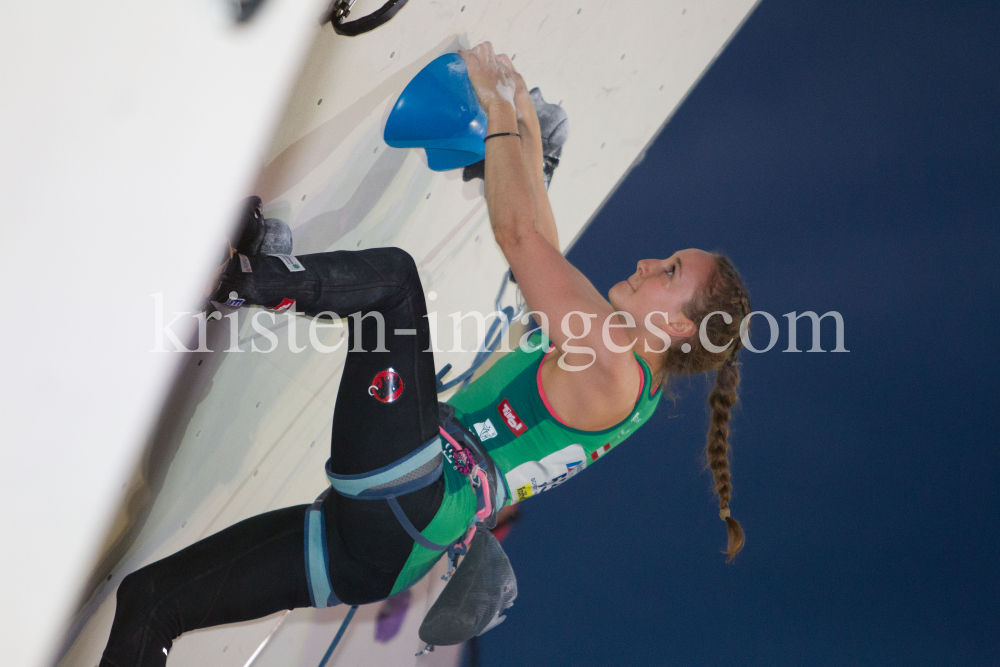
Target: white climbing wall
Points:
(130, 134)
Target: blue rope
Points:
(340, 634)
(490, 344)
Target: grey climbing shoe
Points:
(476, 596)
(554, 124)
(259, 235)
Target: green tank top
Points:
(533, 450)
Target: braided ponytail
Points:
(723, 292)
(722, 398)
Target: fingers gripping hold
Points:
(492, 75)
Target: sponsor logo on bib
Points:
(534, 477)
(485, 430)
(510, 418)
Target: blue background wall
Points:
(846, 156)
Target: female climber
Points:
(535, 418)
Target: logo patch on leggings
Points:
(291, 262)
(386, 386)
(234, 300)
(285, 304)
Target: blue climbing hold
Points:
(438, 111)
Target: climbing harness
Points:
(491, 342)
(417, 470)
(339, 10)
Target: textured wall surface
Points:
(239, 434)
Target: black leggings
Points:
(257, 566)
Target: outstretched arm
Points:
(533, 158)
(522, 220)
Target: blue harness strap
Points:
(411, 530)
(321, 593)
(418, 469)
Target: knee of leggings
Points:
(136, 594)
(401, 265)
(138, 606)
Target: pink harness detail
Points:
(477, 478)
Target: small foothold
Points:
(254, 473)
(197, 434)
(303, 197)
(579, 10)
(109, 577)
(513, 56)
(661, 87)
(358, 245)
(392, 54)
(312, 443)
(602, 145)
(320, 101)
(623, 56)
(428, 196)
(685, 348)
(184, 524)
(199, 361)
(375, 151)
(462, 9)
(477, 238)
(258, 404)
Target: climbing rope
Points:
(340, 634)
(493, 337)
